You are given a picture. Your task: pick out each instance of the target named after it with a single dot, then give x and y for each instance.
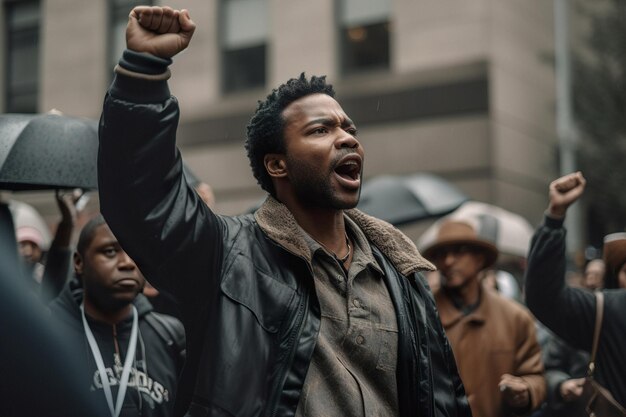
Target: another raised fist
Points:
(564, 191)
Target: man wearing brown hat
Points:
(493, 338)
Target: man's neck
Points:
(112, 316)
(327, 226)
(466, 296)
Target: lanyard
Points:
(130, 355)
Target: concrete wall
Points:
(74, 72)
(303, 38)
(196, 71)
(522, 92)
(438, 33)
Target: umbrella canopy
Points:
(404, 199)
(47, 151)
(511, 233)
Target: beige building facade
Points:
(465, 90)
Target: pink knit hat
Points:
(29, 234)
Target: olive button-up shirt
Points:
(353, 369)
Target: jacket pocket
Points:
(265, 297)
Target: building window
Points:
(244, 44)
(22, 63)
(364, 33)
(118, 19)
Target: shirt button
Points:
(356, 303)
(360, 340)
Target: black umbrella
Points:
(47, 151)
(404, 199)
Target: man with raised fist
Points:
(307, 307)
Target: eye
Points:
(109, 252)
(352, 130)
(460, 249)
(319, 131)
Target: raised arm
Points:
(59, 259)
(568, 312)
(157, 217)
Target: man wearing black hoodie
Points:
(138, 350)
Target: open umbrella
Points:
(510, 232)
(404, 199)
(47, 151)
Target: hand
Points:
(69, 215)
(514, 391)
(149, 291)
(160, 31)
(564, 191)
(67, 205)
(571, 389)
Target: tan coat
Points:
(497, 338)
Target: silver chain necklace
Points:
(343, 259)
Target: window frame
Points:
(344, 24)
(30, 31)
(224, 50)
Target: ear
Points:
(275, 165)
(78, 263)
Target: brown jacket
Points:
(496, 338)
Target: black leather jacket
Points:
(246, 294)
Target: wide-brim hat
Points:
(459, 232)
(614, 255)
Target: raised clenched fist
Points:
(564, 191)
(160, 31)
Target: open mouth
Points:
(349, 168)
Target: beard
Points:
(313, 187)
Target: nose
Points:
(347, 140)
(125, 262)
(449, 258)
(25, 250)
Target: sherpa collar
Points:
(278, 223)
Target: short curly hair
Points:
(266, 127)
(88, 233)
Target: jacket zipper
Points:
(295, 335)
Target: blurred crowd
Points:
(510, 362)
(306, 307)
